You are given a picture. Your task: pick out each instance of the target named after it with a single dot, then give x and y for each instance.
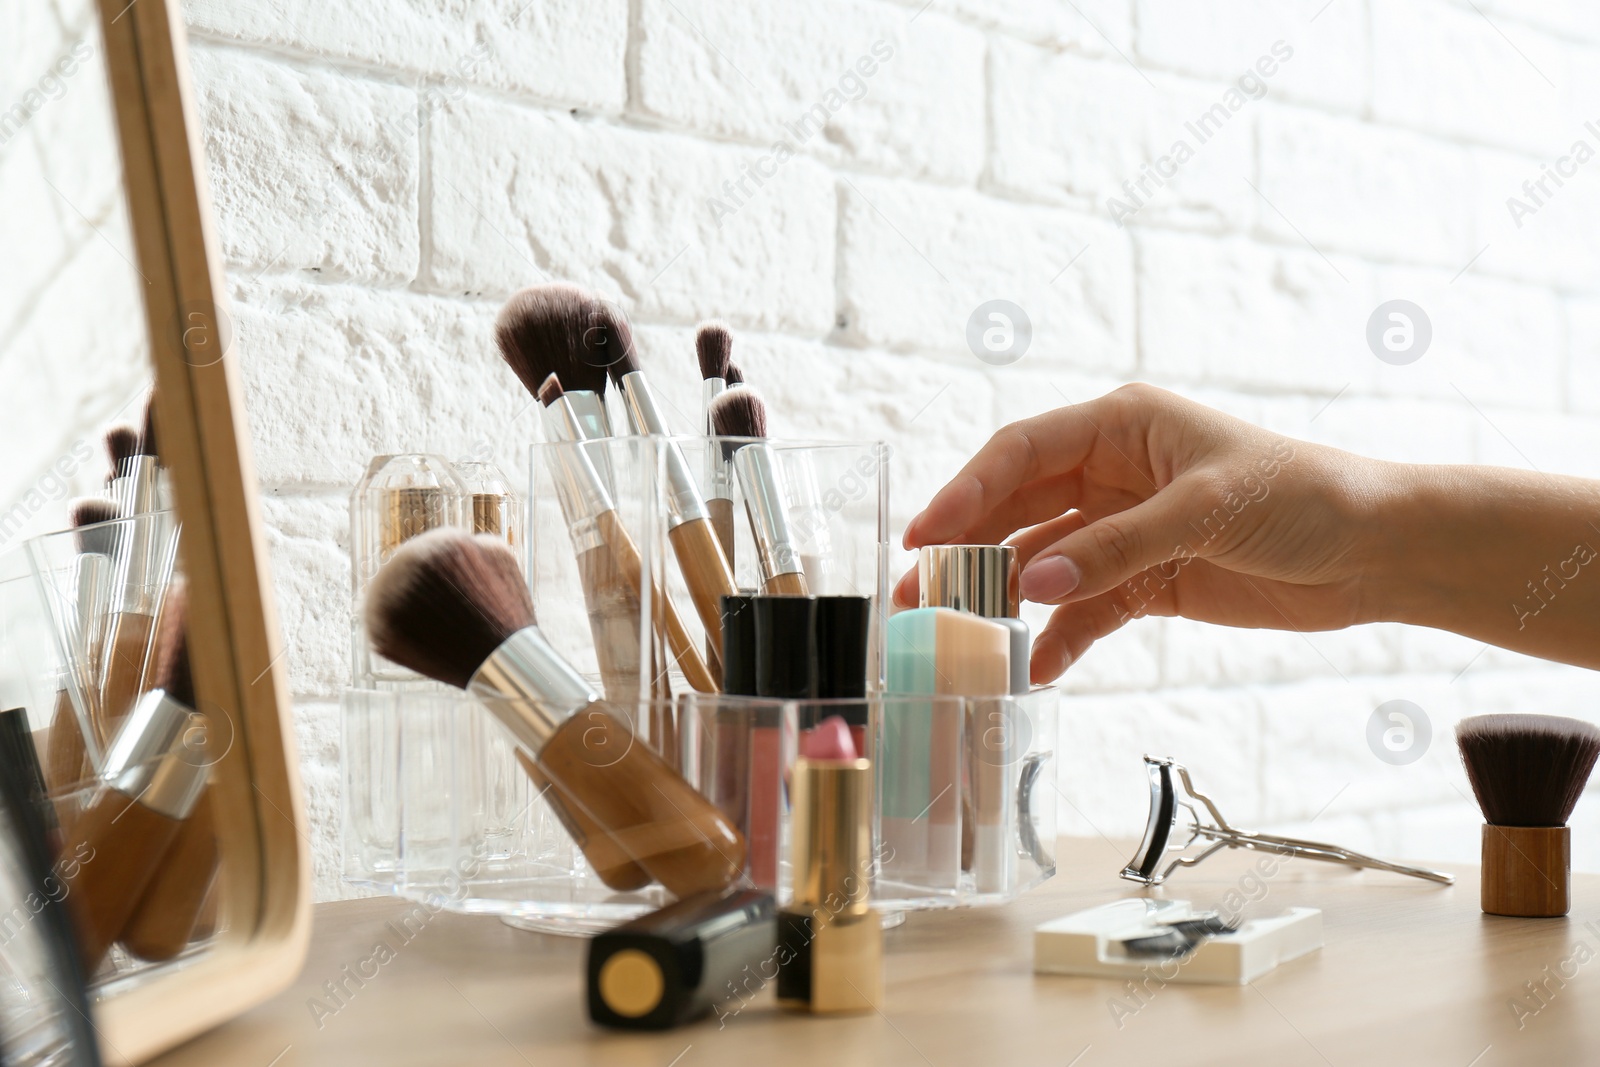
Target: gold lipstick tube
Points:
(830, 941)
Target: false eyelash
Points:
(1181, 937)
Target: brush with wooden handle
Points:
(694, 541)
(164, 921)
(154, 777)
(1527, 772)
(455, 608)
(544, 336)
(740, 413)
(713, 343)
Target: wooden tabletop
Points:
(1411, 973)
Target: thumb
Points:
(1106, 553)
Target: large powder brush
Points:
(454, 607)
(1527, 772)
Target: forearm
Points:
(1504, 556)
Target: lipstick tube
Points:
(766, 501)
(674, 965)
(830, 942)
(643, 810)
(694, 542)
(152, 782)
(606, 552)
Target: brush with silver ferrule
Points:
(150, 786)
(694, 542)
(455, 607)
(740, 413)
(66, 759)
(609, 565)
(548, 329)
(714, 346)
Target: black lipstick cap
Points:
(739, 646)
(786, 647)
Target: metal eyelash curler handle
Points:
(1171, 788)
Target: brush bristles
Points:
(739, 412)
(172, 649)
(713, 343)
(550, 391)
(122, 442)
(735, 376)
(558, 329)
(87, 516)
(1527, 770)
(444, 602)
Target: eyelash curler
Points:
(1172, 789)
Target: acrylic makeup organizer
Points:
(438, 810)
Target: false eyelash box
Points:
(1095, 943)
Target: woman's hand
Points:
(1144, 503)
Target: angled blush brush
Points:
(694, 542)
(740, 413)
(1527, 772)
(713, 343)
(454, 607)
(153, 779)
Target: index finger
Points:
(1039, 447)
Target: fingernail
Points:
(1049, 578)
(911, 529)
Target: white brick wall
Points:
(386, 172)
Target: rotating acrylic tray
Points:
(439, 809)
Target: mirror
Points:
(139, 658)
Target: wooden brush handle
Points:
(126, 661)
(786, 585)
(117, 844)
(613, 608)
(722, 525)
(613, 866)
(1525, 871)
(66, 760)
(694, 667)
(706, 573)
(165, 918)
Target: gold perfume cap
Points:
(980, 579)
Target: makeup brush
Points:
(121, 444)
(454, 607)
(153, 779)
(66, 752)
(1527, 772)
(713, 343)
(739, 412)
(607, 556)
(545, 330)
(735, 376)
(164, 920)
(705, 569)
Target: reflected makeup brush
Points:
(739, 412)
(66, 756)
(154, 777)
(1527, 772)
(609, 566)
(169, 909)
(694, 542)
(121, 443)
(454, 607)
(713, 343)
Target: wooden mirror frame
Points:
(235, 644)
